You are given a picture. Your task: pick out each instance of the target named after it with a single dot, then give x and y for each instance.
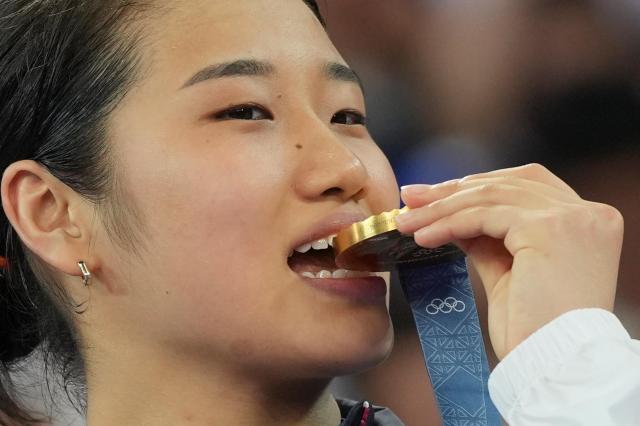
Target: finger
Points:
(534, 172)
(475, 196)
(491, 260)
(490, 236)
(494, 222)
(419, 195)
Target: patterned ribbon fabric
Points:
(446, 317)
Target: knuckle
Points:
(496, 190)
(610, 215)
(599, 221)
(579, 216)
(536, 169)
(488, 189)
(590, 217)
(476, 212)
(518, 236)
(617, 219)
(453, 185)
(437, 206)
(507, 180)
(468, 178)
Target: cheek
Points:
(206, 191)
(200, 199)
(211, 241)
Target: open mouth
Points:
(317, 260)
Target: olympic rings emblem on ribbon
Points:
(445, 306)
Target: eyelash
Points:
(227, 113)
(357, 117)
(351, 117)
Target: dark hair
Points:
(313, 5)
(64, 66)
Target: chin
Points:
(356, 353)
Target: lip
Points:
(329, 225)
(362, 289)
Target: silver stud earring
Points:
(86, 275)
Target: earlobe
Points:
(47, 215)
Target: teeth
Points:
(340, 273)
(303, 248)
(320, 245)
(324, 274)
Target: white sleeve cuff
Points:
(546, 349)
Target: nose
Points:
(328, 167)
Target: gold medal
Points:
(376, 245)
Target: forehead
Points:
(197, 32)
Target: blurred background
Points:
(465, 86)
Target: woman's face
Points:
(231, 170)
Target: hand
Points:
(539, 248)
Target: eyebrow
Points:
(241, 67)
(253, 68)
(340, 72)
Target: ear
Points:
(51, 219)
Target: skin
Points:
(208, 325)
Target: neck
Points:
(138, 388)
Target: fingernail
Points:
(415, 189)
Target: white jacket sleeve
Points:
(580, 369)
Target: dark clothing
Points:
(361, 413)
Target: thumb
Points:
(490, 258)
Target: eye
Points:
(244, 112)
(349, 118)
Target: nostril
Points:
(333, 191)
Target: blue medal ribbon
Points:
(445, 313)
